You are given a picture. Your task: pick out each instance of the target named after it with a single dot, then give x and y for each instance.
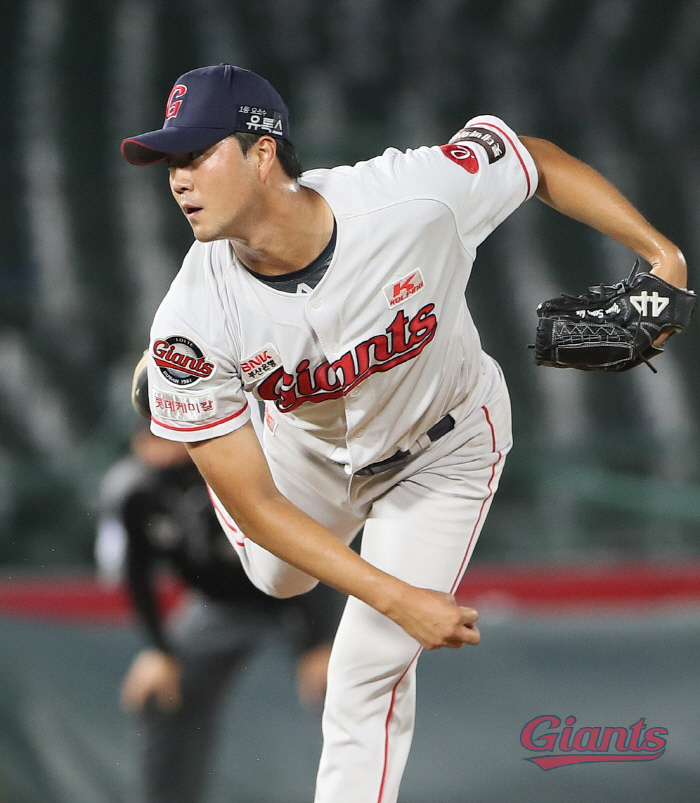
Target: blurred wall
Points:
(604, 466)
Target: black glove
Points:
(613, 327)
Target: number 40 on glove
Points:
(612, 327)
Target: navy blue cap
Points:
(207, 105)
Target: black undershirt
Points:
(306, 279)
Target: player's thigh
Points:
(425, 528)
(315, 485)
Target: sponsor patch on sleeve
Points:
(259, 365)
(462, 155)
(489, 140)
(188, 409)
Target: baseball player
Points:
(338, 298)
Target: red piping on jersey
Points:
(517, 153)
(224, 517)
(452, 591)
(204, 426)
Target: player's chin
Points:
(205, 236)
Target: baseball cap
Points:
(207, 105)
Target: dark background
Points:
(604, 469)
(604, 466)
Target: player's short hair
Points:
(286, 154)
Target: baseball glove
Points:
(612, 327)
(139, 387)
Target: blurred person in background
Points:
(157, 514)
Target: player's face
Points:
(215, 189)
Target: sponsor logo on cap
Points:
(181, 361)
(260, 121)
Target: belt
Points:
(443, 426)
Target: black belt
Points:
(443, 426)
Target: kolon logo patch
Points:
(562, 748)
(404, 288)
(181, 361)
(462, 155)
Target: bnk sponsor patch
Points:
(399, 291)
(188, 409)
(259, 365)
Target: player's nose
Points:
(180, 181)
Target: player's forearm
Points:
(580, 192)
(296, 538)
(270, 520)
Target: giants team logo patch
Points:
(181, 361)
(254, 368)
(489, 140)
(404, 288)
(462, 155)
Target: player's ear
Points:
(266, 153)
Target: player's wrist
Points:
(670, 266)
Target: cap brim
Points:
(155, 146)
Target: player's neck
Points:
(292, 230)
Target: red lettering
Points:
(172, 107)
(304, 384)
(620, 739)
(652, 743)
(635, 737)
(545, 741)
(334, 380)
(564, 740)
(423, 323)
(406, 286)
(324, 371)
(593, 735)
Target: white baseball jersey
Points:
(384, 346)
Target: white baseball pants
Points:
(421, 524)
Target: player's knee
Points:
(287, 589)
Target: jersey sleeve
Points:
(194, 384)
(489, 174)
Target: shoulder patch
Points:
(259, 365)
(462, 155)
(177, 407)
(181, 361)
(489, 140)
